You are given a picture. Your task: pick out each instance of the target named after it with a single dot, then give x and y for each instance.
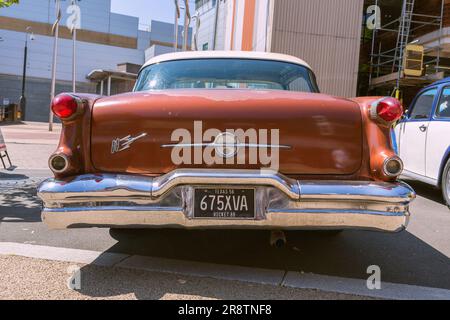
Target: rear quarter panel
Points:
(377, 139)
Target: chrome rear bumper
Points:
(129, 201)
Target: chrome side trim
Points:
(418, 177)
(214, 145)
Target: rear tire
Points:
(445, 184)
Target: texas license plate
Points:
(226, 203)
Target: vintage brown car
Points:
(226, 140)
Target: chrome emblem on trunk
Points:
(121, 144)
(226, 145)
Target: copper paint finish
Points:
(325, 133)
(378, 140)
(315, 125)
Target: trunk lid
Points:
(131, 133)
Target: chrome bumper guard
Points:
(130, 201)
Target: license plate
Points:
(227, 203)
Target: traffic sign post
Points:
(74, 23)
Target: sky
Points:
(147, 10)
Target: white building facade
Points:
(325, 33)
(233, 25)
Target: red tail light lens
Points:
(65, 106)
(389, 109)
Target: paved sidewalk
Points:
(30, 144)
(28, 278)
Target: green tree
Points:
(7, 3)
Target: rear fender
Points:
(75, 136)
(378, 139)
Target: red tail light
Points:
(387, 109)
(65, 106)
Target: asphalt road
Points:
(418, 256)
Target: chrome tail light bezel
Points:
(374, 114)
(390, 174)
(55, 170)
(78, 110)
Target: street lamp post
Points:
(74, 24)
(177, 16)
(23, 100)
(55, 32)
(187, 22)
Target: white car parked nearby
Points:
(423, 137)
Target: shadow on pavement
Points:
(403, 258)
(18, 200)
(427, 191)
(9, 176)
(98, 282)
(20, 206)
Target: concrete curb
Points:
(200, 269)
(358, 287)
(106, 259)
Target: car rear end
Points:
(211, 156)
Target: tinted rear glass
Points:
(227, 74)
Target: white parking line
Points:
(225, 272)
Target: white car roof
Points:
(186, 55)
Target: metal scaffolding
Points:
(389, 43)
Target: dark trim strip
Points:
(45, 29)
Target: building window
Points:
(205, 46)
(201, 3)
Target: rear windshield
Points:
(227, 74)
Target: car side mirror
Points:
(405, 115)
